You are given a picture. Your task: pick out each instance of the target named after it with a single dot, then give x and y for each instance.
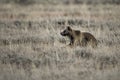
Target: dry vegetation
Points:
(31, 47)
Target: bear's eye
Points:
(65, 31)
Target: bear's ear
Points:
(69, 28)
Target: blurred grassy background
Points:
(31, 47)
(61, 1)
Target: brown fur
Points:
(79, 38)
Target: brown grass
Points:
(31, 47)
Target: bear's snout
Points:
(62, 33)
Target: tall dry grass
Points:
(31, 47)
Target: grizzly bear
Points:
(79, 38)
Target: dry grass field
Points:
(31, 47)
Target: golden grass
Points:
(31, 47)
